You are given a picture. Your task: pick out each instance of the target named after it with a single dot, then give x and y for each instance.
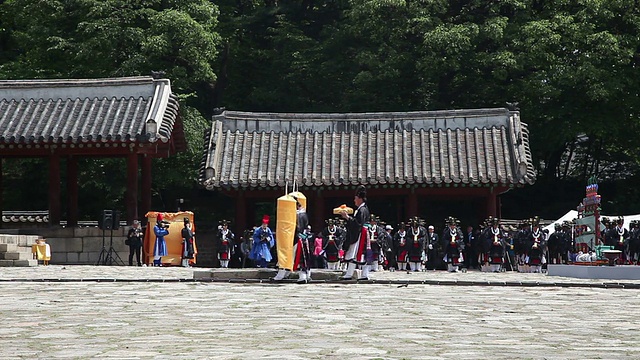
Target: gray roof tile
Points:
(93, 110)
(484, 146)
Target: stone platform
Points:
(139, 313)
(259, 274)
(618, 272)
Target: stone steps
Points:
(20, 240)
(15, 250)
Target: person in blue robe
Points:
(263, 241)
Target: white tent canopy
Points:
(572, 214)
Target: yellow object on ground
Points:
(173, 240)
(285, 230)
(42, 252)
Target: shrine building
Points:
(63, 120)
(427, 163)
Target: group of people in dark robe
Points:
(360, 240)
(619, 238)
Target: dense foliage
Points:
(571, 67)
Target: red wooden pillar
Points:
(132, 187)
(399, 211)
(413, 203)
(72, 190)
(319, 212)
(491, 203)
(241, 213)
(54, 190)
(145, 207)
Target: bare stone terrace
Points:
(83, 312)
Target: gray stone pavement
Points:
(146, 313)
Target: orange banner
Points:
(174, 239)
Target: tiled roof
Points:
(130, 109)
(25, 216)
(483, 146)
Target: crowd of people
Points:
(362, 240)
(359, 239)
(412, 246)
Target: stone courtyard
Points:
(83, 312)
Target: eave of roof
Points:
(461, 147)
(81, 111)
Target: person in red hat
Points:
(263, 241)
(161, 229)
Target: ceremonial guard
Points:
(225, 243)
(537, 241)
(415, 243)
(496, 250)
(332, 238)
(535, 258)
(454, 241)
(263, 241)
(188, 246)
(620, 238)
(554, 244)
(246, 245)
(357, 235)
(342, 225)
(634, 241)
(161, 229)
(433, 250)
(608, 233)
(301, 247)
(521, 244)
(400, 245)
(376, 236)
(567, 240)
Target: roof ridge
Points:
(36, 83)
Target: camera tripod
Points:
(109, 257)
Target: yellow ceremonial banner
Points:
(285, 230)
(301, 198)
(174, 239)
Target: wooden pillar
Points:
(54, 190)
(132, 188)
(145, 206)
(319, 212)
(491, 203)
(72, 191)
(400, 216)
(413, 203)
(241, 214)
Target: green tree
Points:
(113, 38)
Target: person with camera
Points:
(161, 229)
(134, 240)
